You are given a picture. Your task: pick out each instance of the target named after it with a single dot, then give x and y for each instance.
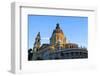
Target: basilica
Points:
(58, 48)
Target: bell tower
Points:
(37, 42)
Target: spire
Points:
(38, 34)
(57, 26)
(37, 42)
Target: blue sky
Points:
(75, 28)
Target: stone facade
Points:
(59, 48)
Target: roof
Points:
(57, 29)
(44, 46)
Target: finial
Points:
(38, 33)
(57, 26)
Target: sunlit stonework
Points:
(58, 48)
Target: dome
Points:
(57, 36)
(57, 29)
